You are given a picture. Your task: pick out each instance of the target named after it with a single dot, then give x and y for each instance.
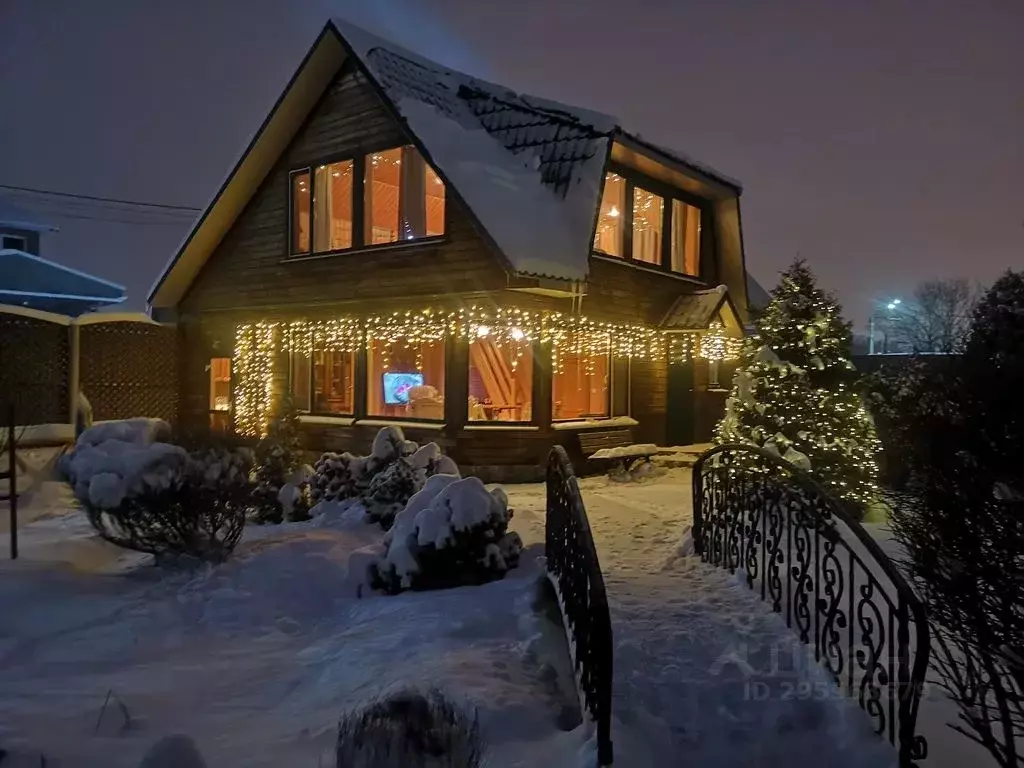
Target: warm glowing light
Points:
(517, 334)
(613, 212)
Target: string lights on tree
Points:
(794, 393)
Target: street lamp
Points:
(891, 306)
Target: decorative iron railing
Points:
(574, 571)
(824, 574)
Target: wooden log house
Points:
(403, 243)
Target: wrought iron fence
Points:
(824, 574)
(576, 575)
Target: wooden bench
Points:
(614, 445)
(594, 440)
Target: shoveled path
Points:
(705, 675)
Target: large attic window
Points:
(404, 197)
(650, 223)
(394, 193)
(608, 236)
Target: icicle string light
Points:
(257, 344)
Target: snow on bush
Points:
(452, 532)
(121, 458)
(198, 509)
(410, 730)
(384, 481)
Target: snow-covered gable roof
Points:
(695, 311)
(33, 281)
(529, 169)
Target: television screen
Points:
(397, 386)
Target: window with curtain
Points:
(334, 382)
(579, 385)
(686, 229)
(648, 215)
(300, 200)
(332, 207)
(500, 380)
(405, 381)
(610, 217)
(404, 197)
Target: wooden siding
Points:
(249, 268)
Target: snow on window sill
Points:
(500, 428)
(399, 423)
(335, 421)
(614, 421)
(644, 266)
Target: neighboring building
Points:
(403, 243)
(29, 280)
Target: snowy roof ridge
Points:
(13, 216)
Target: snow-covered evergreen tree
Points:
(279, 460)
(794, 393)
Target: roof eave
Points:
(688, 166)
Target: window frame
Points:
(359, 244)
(668, 194)
(608, 402)
(535, 365)
(22, 238)
(211, 412)
(311, 393)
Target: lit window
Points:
(579, 386)
(299, 385)
(500, 380)
(220, 394)
(685, 238)
(405, 381)
(608, 235)
(300, 212)
(648, 210)
(334, 382)
(405, 198)
(220, 384)
(332, 207)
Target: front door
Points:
(681, 419)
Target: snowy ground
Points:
(257, 658)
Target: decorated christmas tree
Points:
(794, 393)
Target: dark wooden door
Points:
(681, 419)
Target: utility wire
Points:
(56, 193)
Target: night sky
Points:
(883, 140)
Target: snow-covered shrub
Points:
(452, 532)
(196, 510)
(385, 480)
(410, 730)
(335, 476)
(124, 450)
(279, 465)
(390, 490)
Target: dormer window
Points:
(648, 223)
(400, 196)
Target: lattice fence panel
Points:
(33, 369)
(130, 369)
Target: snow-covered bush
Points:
(385, 480)
(410, 730)
(122, 455)
(197, 509)
(453, 532)
(281, 489)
